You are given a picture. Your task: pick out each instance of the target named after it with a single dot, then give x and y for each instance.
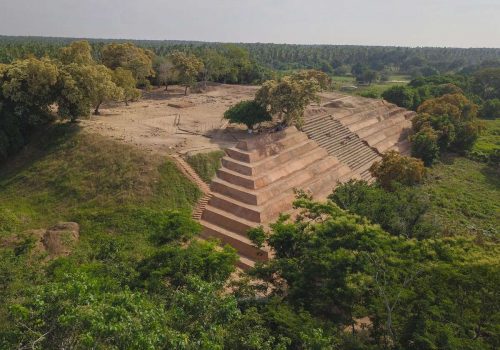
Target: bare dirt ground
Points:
(155, 125)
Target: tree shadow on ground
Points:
(43, 142)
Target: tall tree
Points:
(124, 79)
(215, 65)
(288, 97)
(188, 67)
(85, 87)
(79, 52)
(137, 60)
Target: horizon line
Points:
(250, 43)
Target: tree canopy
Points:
(137, 60)
(248, 113)
(288, 97)
(188, 68)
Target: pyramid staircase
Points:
(256, 182)
(193, 176)
(358, 136)
(340, 142)
(382, 125)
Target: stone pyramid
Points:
(256, 182)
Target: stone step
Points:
(328, 131)
(367, 131)
(249, 154)
(403, 147)
(253, 213)
(324, 185)
(257, 197)
(390, 141)
(242, 244)
(273, 174)
(263, 166)
(284, 138)
(382, 135)
(245, 263)
(367, 114)
(227, 220)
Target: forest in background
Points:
(333, 59)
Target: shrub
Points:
(452, 119)
(400, 212)
(400, 95)
(248, 113)
(490, 109)
(395, 167)
(425, 145)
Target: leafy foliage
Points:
(395, 167)
(130, 57)
(424, 145)
(187, 66)
(358, 269)
(402, 96)
(289, 96)
(249, 113)
(402, 211)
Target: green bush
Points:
(400, 95)
(424, 145)
(490, 109)
(248, 113)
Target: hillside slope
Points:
(70, 175)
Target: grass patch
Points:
(107, 187)
(465, 195)
(206, 164)
(374, 90)
(489, 140)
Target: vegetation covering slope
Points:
(68, 174)
(206, 164)
(465, 196)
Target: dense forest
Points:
(328, 58)
(410, 261)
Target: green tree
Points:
(424, 145)
(490, 109)
(395, 167)
(249, 113)
(124, 79)
(84, 87)
(324, 81)
(84, 312)
(215, 65)
(137, 60)
(401, 212)
(79, 52)
(166, 73)
(402, 96)
(288, 97)
(31, 85)
(454, 118)
(486, 83)
(188, 67)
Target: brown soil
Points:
(167, 121)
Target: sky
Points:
(450, 23)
